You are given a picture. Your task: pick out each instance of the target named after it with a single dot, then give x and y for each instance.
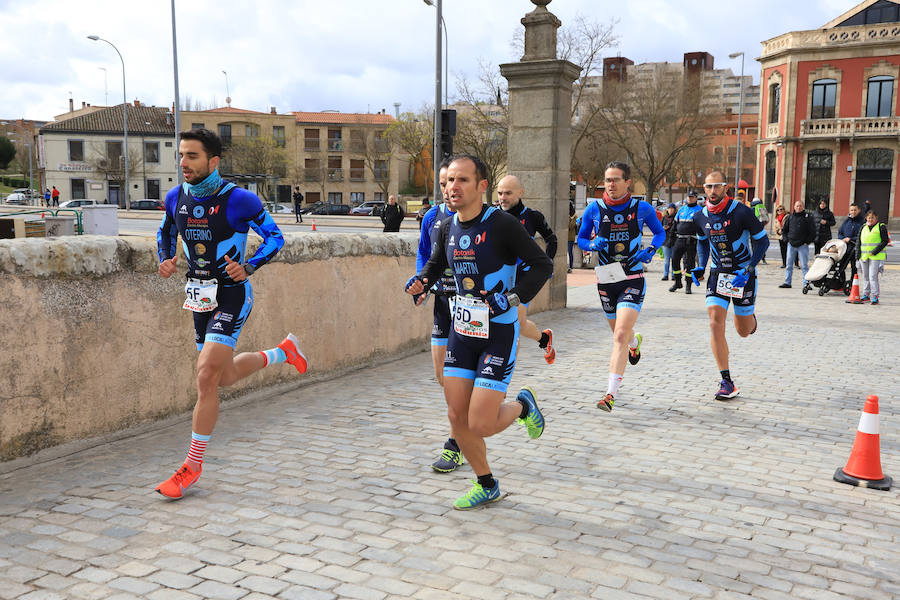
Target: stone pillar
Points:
(540, 105)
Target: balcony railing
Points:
(335, 174)
(358, 147)
(312, 175)
(335, 145)
(860, 127)
(311, 145)
(357, 174)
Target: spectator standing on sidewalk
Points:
(55, 195)
(800, 228)
(849, 232)
(573, 233)
(298, 204)
(824, 222)
(873, 239)
(668, 223)
(780, 215)
(392, 215)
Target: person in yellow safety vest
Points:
(873, 238)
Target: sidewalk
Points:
(326, 491)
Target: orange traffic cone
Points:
(854, 292)
(864, 466)
(314, 229)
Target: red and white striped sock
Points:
(198, 447)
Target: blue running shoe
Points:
(727, 390)
(534, 420)
(478, 496)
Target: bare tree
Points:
(413, 134)
(378, 155)
(481, 135)
(654, 122)
(109, 161)
(259, 156)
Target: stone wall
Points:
(94, 341)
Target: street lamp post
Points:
(177, 96)
(436, 149)
(737, 166)
(124, 115)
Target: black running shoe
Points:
(450, 460)
(634, 354)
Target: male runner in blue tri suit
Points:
(728, 229)
(616, 223)
(482, 245)
(213, 218)
(443, 290)
(510, 192)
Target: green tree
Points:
(413, 134)
(7, 152)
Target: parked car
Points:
(280, 208)
(311, 207)
(17, 198)
(29, 194)
(77, 203)
(372, 207)
(148, 204)
(331, 209)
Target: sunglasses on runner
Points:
(713, 185)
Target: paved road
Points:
(326, 492)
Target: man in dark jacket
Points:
(298, 203)
(800, 228)
(824, 219)
(849, 232)
(392, 215)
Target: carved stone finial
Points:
(540, 32)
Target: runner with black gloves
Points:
(728, 229)
(616, 223)
(510, 192)
(482, 245)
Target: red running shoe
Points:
(174, 486)
(291, 347)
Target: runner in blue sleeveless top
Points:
(730, 231)
(482, 245)
(213, 218)
(510, 192)
(612, 227)
(451, 457)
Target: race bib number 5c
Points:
(200, 295)
(725, 288)
(471, 317)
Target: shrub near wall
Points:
(95, 341)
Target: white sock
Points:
(634, 342)
(614, 382)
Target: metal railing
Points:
(79, 226)
(335, 145)
(311, 145)
(335, 174)
(850, 127)
(357, 174)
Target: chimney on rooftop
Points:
(137, 102)
(71, 105)
(83, 104)
(272, 110)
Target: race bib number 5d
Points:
(725, 287)
(200, 295)
(471, 317)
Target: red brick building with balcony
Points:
(828, 120)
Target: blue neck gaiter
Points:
(205, 188)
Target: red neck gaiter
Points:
(717, 208)
(610, 202)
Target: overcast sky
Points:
(346, 55)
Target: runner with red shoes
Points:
(729, 231)
(213, 217)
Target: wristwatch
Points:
(249, 269)
(513, 299)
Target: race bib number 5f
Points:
(471, 317)
(725, 287)
(200, 295)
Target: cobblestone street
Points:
(326, 491)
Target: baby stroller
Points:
(827, 271)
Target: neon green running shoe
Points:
(634, 354)
(478, 496)
(534, 420)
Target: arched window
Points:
(824, 95)
(774, 102)
(880, 94)
(818, 177)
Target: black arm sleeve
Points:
(547, 233)
(513, 242)
(438, 261)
